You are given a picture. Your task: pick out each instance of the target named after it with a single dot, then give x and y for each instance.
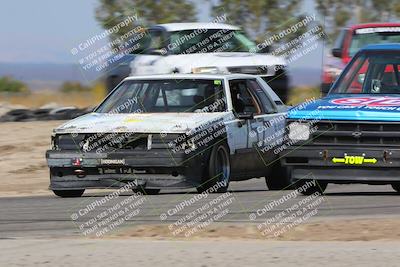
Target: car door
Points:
(246, 163)
(268, 127)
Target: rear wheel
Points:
(219, 170)
(69, 193)
(396, 187)
(309, 187)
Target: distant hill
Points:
(42, 75)
(50, 76)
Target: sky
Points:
(45, 31)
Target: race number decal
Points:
(368, 101)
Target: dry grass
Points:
(40, 98)
(300, 94)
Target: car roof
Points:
(196, 25)
(374, 25)
(191, 76)
(384, 47)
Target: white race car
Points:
(183, 130)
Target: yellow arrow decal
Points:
(337, 160)
(354, 160)
(373, 160)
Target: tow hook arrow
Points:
(373, 161)
(336, 160)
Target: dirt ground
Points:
(319, 230)
(204, 253)
(23, 168)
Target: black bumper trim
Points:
(341, 175)
(155, 158)
(318, 162)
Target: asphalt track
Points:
(50, 216)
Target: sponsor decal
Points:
(112, 161)
(368, 101)
(217, 82)
(354, 160)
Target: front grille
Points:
(355, 133)
(105, 142)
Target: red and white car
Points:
(350, 41)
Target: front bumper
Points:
(153, 169)
(375, 165)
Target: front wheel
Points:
(69, 193)
(396, 187)
(279, 177)
(219, 170)
(309, 187)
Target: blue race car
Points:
(353, 134)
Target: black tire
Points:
(41, 114)
(146, 191)
(279, 178)
(69, 193)
(396, 187)
(18, 115)
(319, 187)
(219, 170)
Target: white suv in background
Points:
(207, 48)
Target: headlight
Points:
(299, 131)
(205, 70)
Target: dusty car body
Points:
(169, 131)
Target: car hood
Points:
(350, 107)
(140, 122)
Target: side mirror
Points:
(337, 52)
(245, 116)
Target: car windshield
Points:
(169, 95)
(366, 36)
(207, 41)
(371, 73)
